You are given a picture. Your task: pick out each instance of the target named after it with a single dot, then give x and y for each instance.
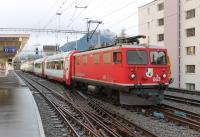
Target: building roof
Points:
(148, 3)
(12, 44)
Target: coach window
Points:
(85, 59)
(37, 65)
(96, 58)
(117, 57)
(77, 60)
(106, 58)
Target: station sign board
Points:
(9, 49)
(50, 48)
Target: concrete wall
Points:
(172, 37)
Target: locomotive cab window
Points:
(158, 58)
(136, 57)
(117, 57)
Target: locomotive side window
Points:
(106, 58)
(96, 58)
(77, 60)
(136, 57)
(117, 57)
(85, 59)
(158, 58)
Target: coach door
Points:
(67, 67)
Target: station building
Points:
(175, 24)
(10, 46)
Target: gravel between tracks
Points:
(185, 95)
(48, 124)
(159, 127)
(182, 106)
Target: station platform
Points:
(19, 115)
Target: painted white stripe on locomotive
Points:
(122, 84)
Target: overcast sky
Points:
(115, 14)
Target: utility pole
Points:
(58, 40)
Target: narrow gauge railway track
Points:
(172, 114)
(113, 118)
(192, 92)
(95, 125)
(72, 120)
(179, 116)
(182, 100)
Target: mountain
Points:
(106, 36)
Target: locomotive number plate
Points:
(156, 79)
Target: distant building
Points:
(49, 50)
(175, 24)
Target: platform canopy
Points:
(11, 45)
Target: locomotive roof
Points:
(119, 46)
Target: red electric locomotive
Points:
(132, 74)
(136, 74)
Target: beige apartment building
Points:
(176, 25)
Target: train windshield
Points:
(158, 58)
(136, 57)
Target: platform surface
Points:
(19, 116)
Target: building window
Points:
(106, 58)
(160, 6)
(190, 32)
(160, 37)
(148, 25)
(190, 14)
(190, 50)
(96, 58)
(190, 86)
(161, 22)
(148, 11)
(190, 68)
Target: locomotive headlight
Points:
(164, 75)
(133, 76)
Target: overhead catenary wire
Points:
(75, 18)
(54, 15)
(118, 9)
(142, 24)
